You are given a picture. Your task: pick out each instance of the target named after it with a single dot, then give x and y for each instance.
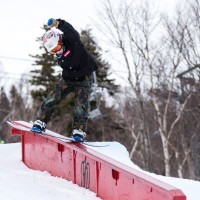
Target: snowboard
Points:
(25, 126)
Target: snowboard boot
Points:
(38, 126)
(78, 135)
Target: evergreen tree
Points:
(18, 105)
(4, 104)
(45, 77)
(103, 66)
(98, 128)
(4, 112)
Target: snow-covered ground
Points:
(17, 182)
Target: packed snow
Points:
(18, 182)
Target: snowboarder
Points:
(77, 68)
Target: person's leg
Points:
(61, 90)
(82, 92)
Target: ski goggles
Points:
(57, 49)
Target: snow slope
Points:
(17, 182)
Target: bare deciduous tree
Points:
(154, 54)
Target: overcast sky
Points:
(21, 22)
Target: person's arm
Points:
(72, 37)
(70, 33)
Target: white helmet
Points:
(51, 40)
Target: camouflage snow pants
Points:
(62, 89)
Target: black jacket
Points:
(75, 61)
